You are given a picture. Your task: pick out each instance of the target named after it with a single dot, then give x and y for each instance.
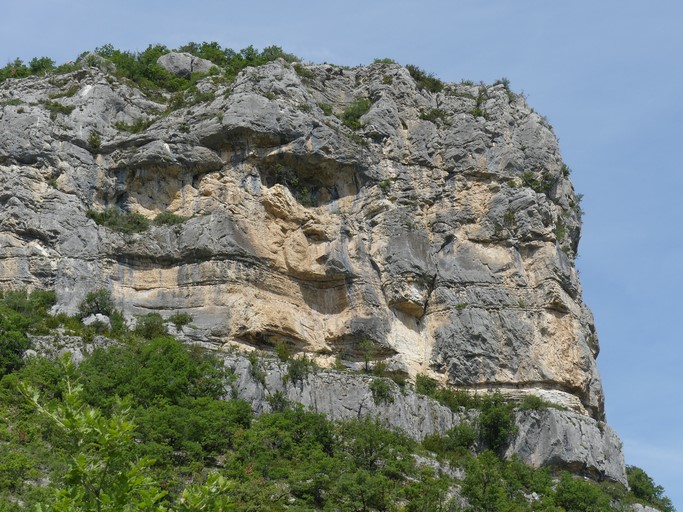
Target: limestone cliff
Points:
(441, 226)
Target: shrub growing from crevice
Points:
(116, 220)
(351, 116)
(382, 392)
(169, 219)
(425, 80)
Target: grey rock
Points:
(445, 239)
(184, 64)
(568, 441)
(97, 318)
(552, 437)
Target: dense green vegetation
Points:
(142, 67)
(150, 425)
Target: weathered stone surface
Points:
(446, 239)
(551, 437)
(184, 64)
(566, 440)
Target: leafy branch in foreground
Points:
(103, 475)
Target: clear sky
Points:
(607, 74)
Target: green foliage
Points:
(21, 313)
(462, 436)
(494, 485)
(368, 350)
(169, 219)
(17, 68)
(232, 62)
(560, 230)
(137, 126)
(478, 110)
(540, 185)
(351, 116)
(384, 61)
(382, 392)
(303, 72)
(94, 140)
(116, 220)
(70, 92)
(435, 114)
(107, 469)
(299, 368)
(57, 108)
(326, 108)
(424, 80)
(180, 319)
(454, 399)
(645, 489)
(425, 385)
(175, 444)
(506, 85)
(151, 325)
(98, 302)
(101, 473)
(533, 403)
(496, 422)
(580, 495)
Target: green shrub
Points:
(41, 65)
(94, 140)
(425, 385)
(644, 489)
(580, 495)
(303, 72)
(22, 313)
(326, 108)
(137, 126)
(351, 116)
(541, 186)
(282, 351)
(461, 436)
(116, 220)
(424, 80)
(298, 368)
(455, 399)
(69, 93)
(151, 325)
(169, 219)
(57, 108)
(435, 114)
(496, 422)
(180, 319)
(97, 302)
(384, 61)
(382, 393)
(533, 403)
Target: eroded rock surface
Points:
(443, 230)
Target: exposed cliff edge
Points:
(325, 206)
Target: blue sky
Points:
(606, 74)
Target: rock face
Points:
(184, 64)
(550, 437)
(437, 235)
